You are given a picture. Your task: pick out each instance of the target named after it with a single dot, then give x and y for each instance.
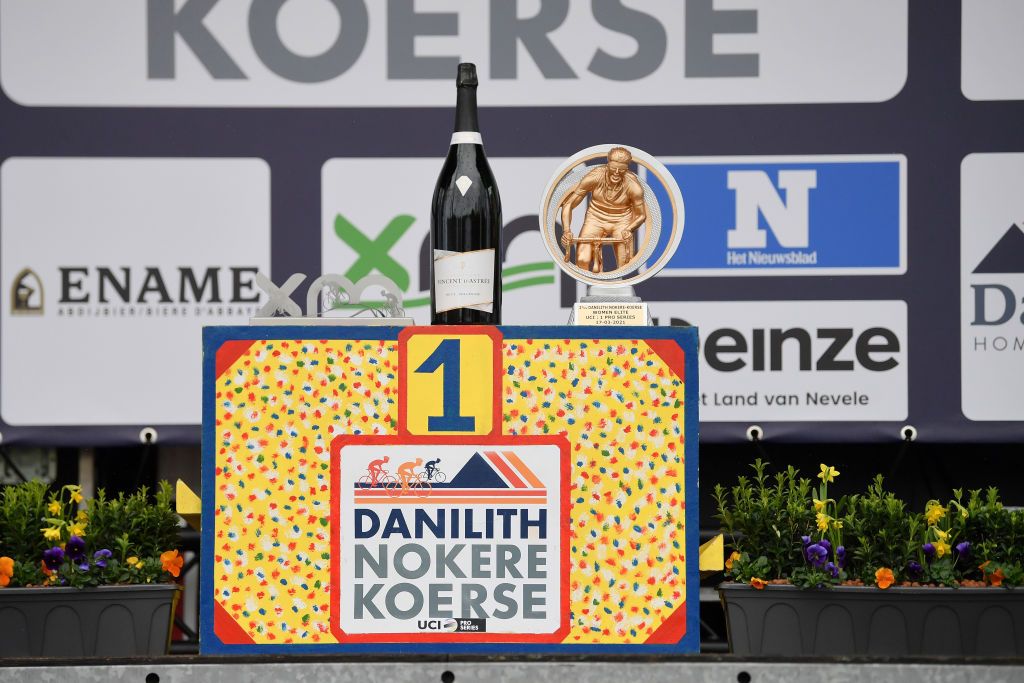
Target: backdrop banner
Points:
(853, 240)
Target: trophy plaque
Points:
(611, 217)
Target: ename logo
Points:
(792, 215)
(127, 291)
(27, 293)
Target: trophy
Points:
(611, 217)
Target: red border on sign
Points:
(671, 354)
(229, 352)
(446, 331)
(478, 440)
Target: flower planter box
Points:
(107, 621)
(899, 621)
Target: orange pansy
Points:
(884, 577)
(996, 577)
(732, 558)
(172, 562)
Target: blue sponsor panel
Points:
(790, 217)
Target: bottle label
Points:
(467, 138)
(464, 280)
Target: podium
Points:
(449, 489)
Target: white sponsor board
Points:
(992, 286)
(110, 268)
(461, 542)
(793, 361)
(376, 218)
(991, 67)
(399, 53)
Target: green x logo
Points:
(373, 253)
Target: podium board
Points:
(449, 489)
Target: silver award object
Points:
(332, 299)
(605, 226)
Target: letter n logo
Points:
(788, 220)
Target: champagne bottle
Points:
(465, 223)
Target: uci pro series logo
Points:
(443, 625)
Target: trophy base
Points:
(613, 306)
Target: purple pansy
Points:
(914, 569)
(963, 549)
(841, 556)
(100, 558)
(75, 548)
(824, 543)
(84, 565)
(832, 569)
(929, 551)
(53, 557)
(806, 540)
(816, 554)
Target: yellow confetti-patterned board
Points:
(453, 489)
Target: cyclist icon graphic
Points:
(407, 480)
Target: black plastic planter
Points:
(847, 620)
(108, 621)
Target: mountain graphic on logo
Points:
(1007, 256)
(477, 473)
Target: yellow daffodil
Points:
(837, 524)
(76, 497)
(941, 548)
(77, 529)
(933, 512)
(134, 562)
(51, 533)
(828, 474)
(823, 521)
(819, 505)
(82, 516)
(53, 508)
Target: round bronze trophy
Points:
(611, 217)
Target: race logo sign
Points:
(450, 489)
(453, 538)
